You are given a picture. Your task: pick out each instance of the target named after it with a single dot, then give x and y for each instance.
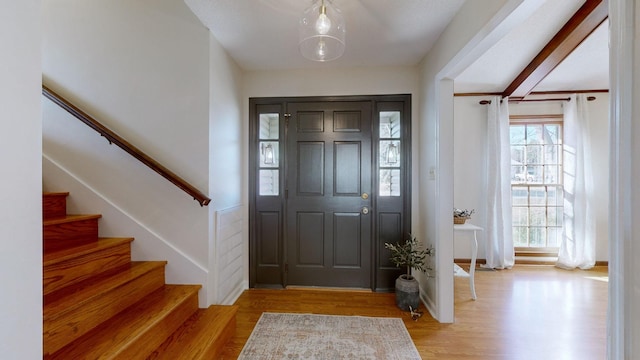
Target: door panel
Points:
(309, 239)
(329, 166)
(310, 165)
(347, 168)
(347, 240)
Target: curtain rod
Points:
(486, 102)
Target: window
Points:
(390, 164)
(269, 154)
(536, 183)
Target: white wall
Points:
(229, 251)
(474, 29)
(332, 82)
(470, 128)
(180, 269)
(469, 170)
(142, 68)
(21, 189)
(623, 317)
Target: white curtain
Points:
(577, 249)
(499, 245)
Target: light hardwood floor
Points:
(529, 312)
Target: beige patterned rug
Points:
(328, 337)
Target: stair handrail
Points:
(116, 139)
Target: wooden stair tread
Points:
(98, 304)
(71, 218)
(202, 336)
(86, 290)
(54, 257)
(78, 309)
(143, 322)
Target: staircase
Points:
(98, 304)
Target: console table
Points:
(474, 252)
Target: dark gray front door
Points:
(329, 181)
(327, 188)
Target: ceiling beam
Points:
(578, 28)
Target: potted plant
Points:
(408, 255)
(461, 215)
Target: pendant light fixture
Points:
(322, 32)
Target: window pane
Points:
(517, 174)
(554, 216)
(269, 182)
(551, 154)
(534, 134)
(537, 196)
(516, 133)
(554, 196)
(538, 216)
(534, 154)
(269, 126)
(537, 237)
(269, 154)
(552, 174)
(520, 216)
(519, 195)
(520, 236)
(552, 133)
(390, 153)
(534, 174)
(517, 155)
(390, 124)
(518, 164)
(390, 182)
(554, 236)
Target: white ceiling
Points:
(263, 35)
(586, 68)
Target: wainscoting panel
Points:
(230, 224)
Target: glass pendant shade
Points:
(322, 32)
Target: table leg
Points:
(472, 269)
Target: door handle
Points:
(365, 210)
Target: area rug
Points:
(328, 337)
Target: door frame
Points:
(271, 270)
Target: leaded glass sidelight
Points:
(389, 153)
(389, 182)
(269, 127)
(269, 155)
(268, 182)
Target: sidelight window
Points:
(389, 153)
(269, 155)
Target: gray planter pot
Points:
(407, 292)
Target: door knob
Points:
(365, 210)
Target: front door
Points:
(328, 183)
